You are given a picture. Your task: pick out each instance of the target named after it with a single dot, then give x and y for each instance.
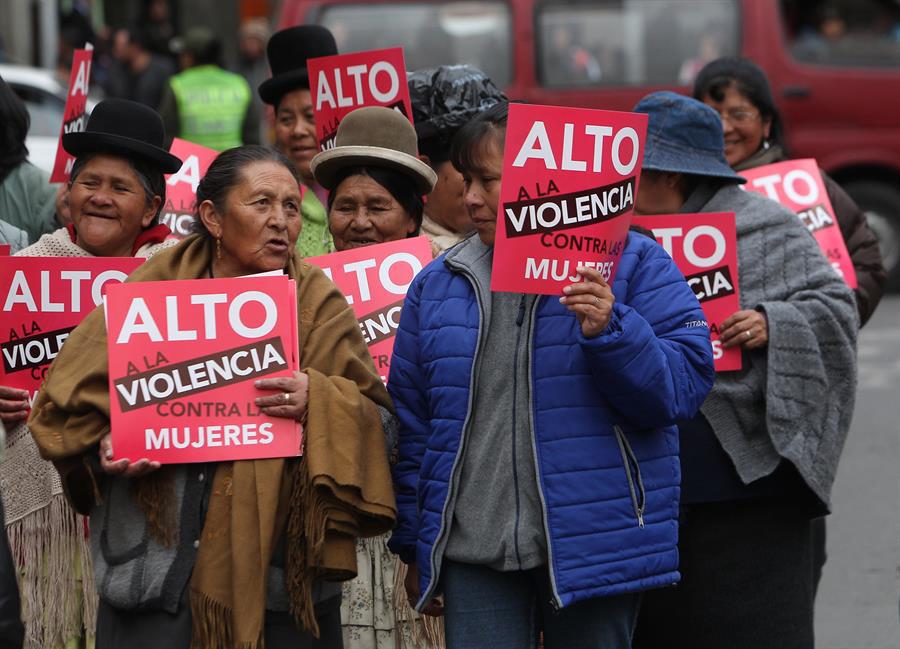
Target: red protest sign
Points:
(375, 280)
(183, 356)
(798, 185)
(5, 249)
(75, 112)
(44, 298)
(181, 186)
(704, 247)
(344, 82)
(570, 176)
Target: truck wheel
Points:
(881, 203)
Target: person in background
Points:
(252, 65)
(205, 103)
(137, 73)
(376, 184)
(758, 461)
(27, 199)
(157, 21)
(443, 100)
(537, 479)
(117, 190)
(287, 91)
(739, 91)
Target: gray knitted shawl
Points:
(794, 399)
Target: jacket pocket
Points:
(633, 473)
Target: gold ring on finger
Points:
(287, 397)
(748, 334)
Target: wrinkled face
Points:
(744, 127)
(260, 222)
(295, 131)
(109, 206)
(658, 193)
(364, 213)
(482, 189)
(446, 203)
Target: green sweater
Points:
(28, 201)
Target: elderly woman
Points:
(259, 576)
(116, 191)
(758, 462)
(376, 185)
(287, 91)
(537, 480)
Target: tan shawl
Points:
(341, 490)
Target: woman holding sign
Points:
(247, 552)
(759, 459)
(376, 184)
(116, 192)
(537, 478)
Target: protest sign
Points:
(798, 185)
(44, 299)
(75, 113)
(375, 280)
(5, 249)
(181, 186)
(183, 358)
(344, 82)
(570, 176)
(704, 247)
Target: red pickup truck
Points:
(836, 77)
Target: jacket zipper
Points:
(555, 600)
(520, 318)
(432, 584)
(633, 473)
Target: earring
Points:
(219, 249)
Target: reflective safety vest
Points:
(212, 106)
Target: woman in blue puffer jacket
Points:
(538, 476)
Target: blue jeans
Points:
(487, 609)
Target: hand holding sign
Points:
(13, 405)
(291, 400)
(745, 328)
(591, 300)
(123, 467)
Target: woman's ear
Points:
(767, 127)
(210, 218)
(151, 211)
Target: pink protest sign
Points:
(183, 358)
(75, 112)
(44, 299)
(798, 185)
(704, 247)
(344, 82)
(181, 186)
(570, 176)
(5, 249)
(375, 280)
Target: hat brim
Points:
(95, 142)
(326, 165)
(658, 156)
(273, 89)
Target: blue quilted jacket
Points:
(603, 414)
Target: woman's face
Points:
(482, 189)
(658, 193)
(446, 205)
(260, 223)
(109, 206)
(364, 213)
(295, 131)
(744, 127)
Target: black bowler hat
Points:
(126, 128)
(287, 52)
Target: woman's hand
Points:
(434, 608)
(292, 397)
(124, 468)
(592, 301)
(13, 405)
(745, 328)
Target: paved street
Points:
(858, 600)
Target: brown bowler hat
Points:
(376, 136)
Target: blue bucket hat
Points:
(684, 136)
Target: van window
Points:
(431, 34)
(632, 42)
(859, 33)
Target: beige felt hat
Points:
(376, 136)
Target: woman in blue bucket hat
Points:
(759, 460)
